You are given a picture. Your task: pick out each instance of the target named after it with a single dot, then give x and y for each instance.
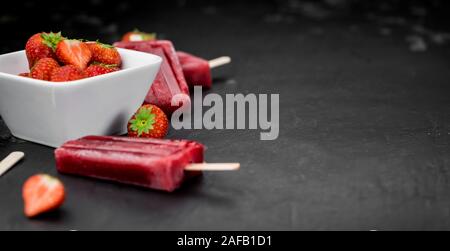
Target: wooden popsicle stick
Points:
(212, 167)
(217, 62)
(10, 161)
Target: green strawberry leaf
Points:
(143, 121)
(51, 39)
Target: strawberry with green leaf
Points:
(42, 45)
(148, 122)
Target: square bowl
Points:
(52, 113)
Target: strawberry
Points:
(73, 52)
(104, 53)
(137, 35)
(43, 69)
(42, 45)
(67, 73)
(25, 74)
(42, 193)
(148, 122)
(100, 69)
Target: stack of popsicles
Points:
(178, 71)
(170, 81)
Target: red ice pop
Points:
(197, 71)
(152, 163)
(170, 81)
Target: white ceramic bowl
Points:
(53, 113)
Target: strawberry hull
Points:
(170, 81)
(151, 163)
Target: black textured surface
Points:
(364, 140)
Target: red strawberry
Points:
(67, 73)
(104, 53)
(42, 45)
(25, 74)
(100, 69)
(42, 193)
(136, 35)
(148, 122)
(43, 69)
(73, 52)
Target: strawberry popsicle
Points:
(197, 71)
(152, 163)
(170, 81)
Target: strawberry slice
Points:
(73, 52)
(42, 45)
(42, 193)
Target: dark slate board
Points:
(364, 140)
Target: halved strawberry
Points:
(73, 52)
(104, 53)
(42, 45)
(67, 73)
(100, 69)
(43, 69)
(42, 193)
(136, 35)
(148, 122)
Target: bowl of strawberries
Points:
(59, 89)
